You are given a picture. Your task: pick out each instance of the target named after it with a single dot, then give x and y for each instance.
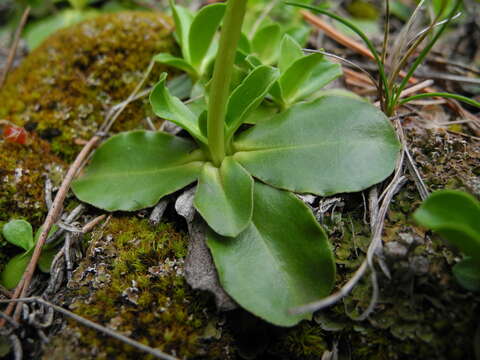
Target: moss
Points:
(132, 280)
(422, 313)
(64, 88)
(23, 169)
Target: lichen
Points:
(64, 88)
(132, 281)
(422, 313)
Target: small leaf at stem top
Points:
(183, 20)
(248, 96)
(290, 51)
(265, 43)
(202, 31)
(173, 109)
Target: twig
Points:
(48, 192)
(109, 332)
(411, 166)
(52, 217)
(17, 346)
(336, 35)
(395, 185)
(13, 49)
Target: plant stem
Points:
(222, 74)
(442, 95)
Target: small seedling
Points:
(20, 233)
(455, 216)
(270, 252)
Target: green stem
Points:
(442, 95)
(222, 75)
(419, 59)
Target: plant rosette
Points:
(270, 252)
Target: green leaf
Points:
(295, 76)
(290, 51)
(324, 73)
(13, 271)
(19, 233)
(46, 258)
(176, 62)
(265, 43)
(183, 20)
(224, 197)
(467, 273)
(328, 146)
(244, 44)
(253, 61)
(248, 96)
(173, 109)
(134, 170)
(455, 216)
(202, 31)
(263, 113)
(282, 260)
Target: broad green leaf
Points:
(19, 233)
(290, 51)
(176, 62)
(328, 146)
(134, 170)
(455, 216)
(281, 261)
(45, 260)
(265, 43)
(173, 109)
(202, 31)
(248, 96)
(224, 197)
(323, 74)
(13, 271)
(183, 20)
(295, 76)
(467, 273)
